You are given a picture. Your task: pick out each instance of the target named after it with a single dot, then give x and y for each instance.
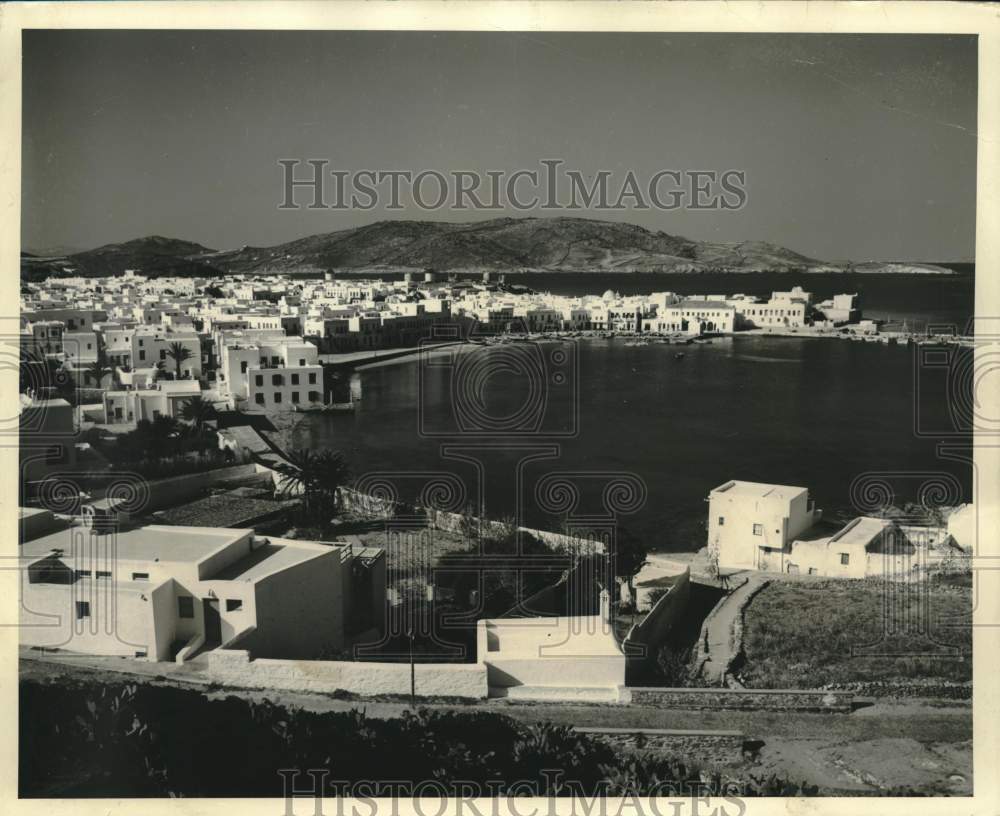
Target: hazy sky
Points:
(853, 147)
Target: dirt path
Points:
(721, 648)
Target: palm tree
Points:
(179, 353)
(198, 411)
(314, 476)
(332, 473)
(99, 369)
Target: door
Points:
(213, 621)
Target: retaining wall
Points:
(704, 746)
(745, 699)
(235, 667)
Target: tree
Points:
(179, 353)
(316, 476)
(714, 570)
(151, 439)
(630, 555)
(99, 369)
(198, 411)
(213, 291)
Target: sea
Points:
(603, 432)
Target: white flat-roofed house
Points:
(776, 528)
(160, 591)
(778, 313)
(693, 317)
(752, 524)
(47, 437)
(152, 345)
(162, 398)
(841, 309)
(270, 375)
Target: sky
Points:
(854, 147)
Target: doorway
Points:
(213, 621)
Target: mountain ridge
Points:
(530, 244)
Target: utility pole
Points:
(413, 672)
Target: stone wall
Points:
(711, 747)
(235, 667)
(739, 627)
(743, 699)
(372, 506)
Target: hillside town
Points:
(258, 343)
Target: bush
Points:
(122, 739)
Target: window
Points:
(142, 355)
(758, 529)
(295, 379)
(140, 576)
(722, 521)
(243, 366)
(82, 609)
(295, 396)
(185, 607)
(259, 399)
(233, 605)
(302, 362)
(277, 397)
(259, 379)
(163, 354)
(103, 574)
(845, 559)
(277, 379)
(314, 396)
(312, 379)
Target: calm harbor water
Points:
(812, 412)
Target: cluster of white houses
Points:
(254, 341)
(777, 528)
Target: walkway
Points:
(720, 629)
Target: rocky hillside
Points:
(530, 244)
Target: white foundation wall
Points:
(234, 667)
(566, 652)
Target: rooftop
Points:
(277, 554)
(152, 543)
(860, 531)
(760, 490)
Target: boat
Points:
(679, 355)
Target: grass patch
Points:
(807, 635)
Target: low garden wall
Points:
(235, 667)
(645, 637)
(744, 699)
(380, 507)
(702, 746)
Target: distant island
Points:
(509, 244)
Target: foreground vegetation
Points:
(808, 635)
(92, 739)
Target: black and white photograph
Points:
(500, 414)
